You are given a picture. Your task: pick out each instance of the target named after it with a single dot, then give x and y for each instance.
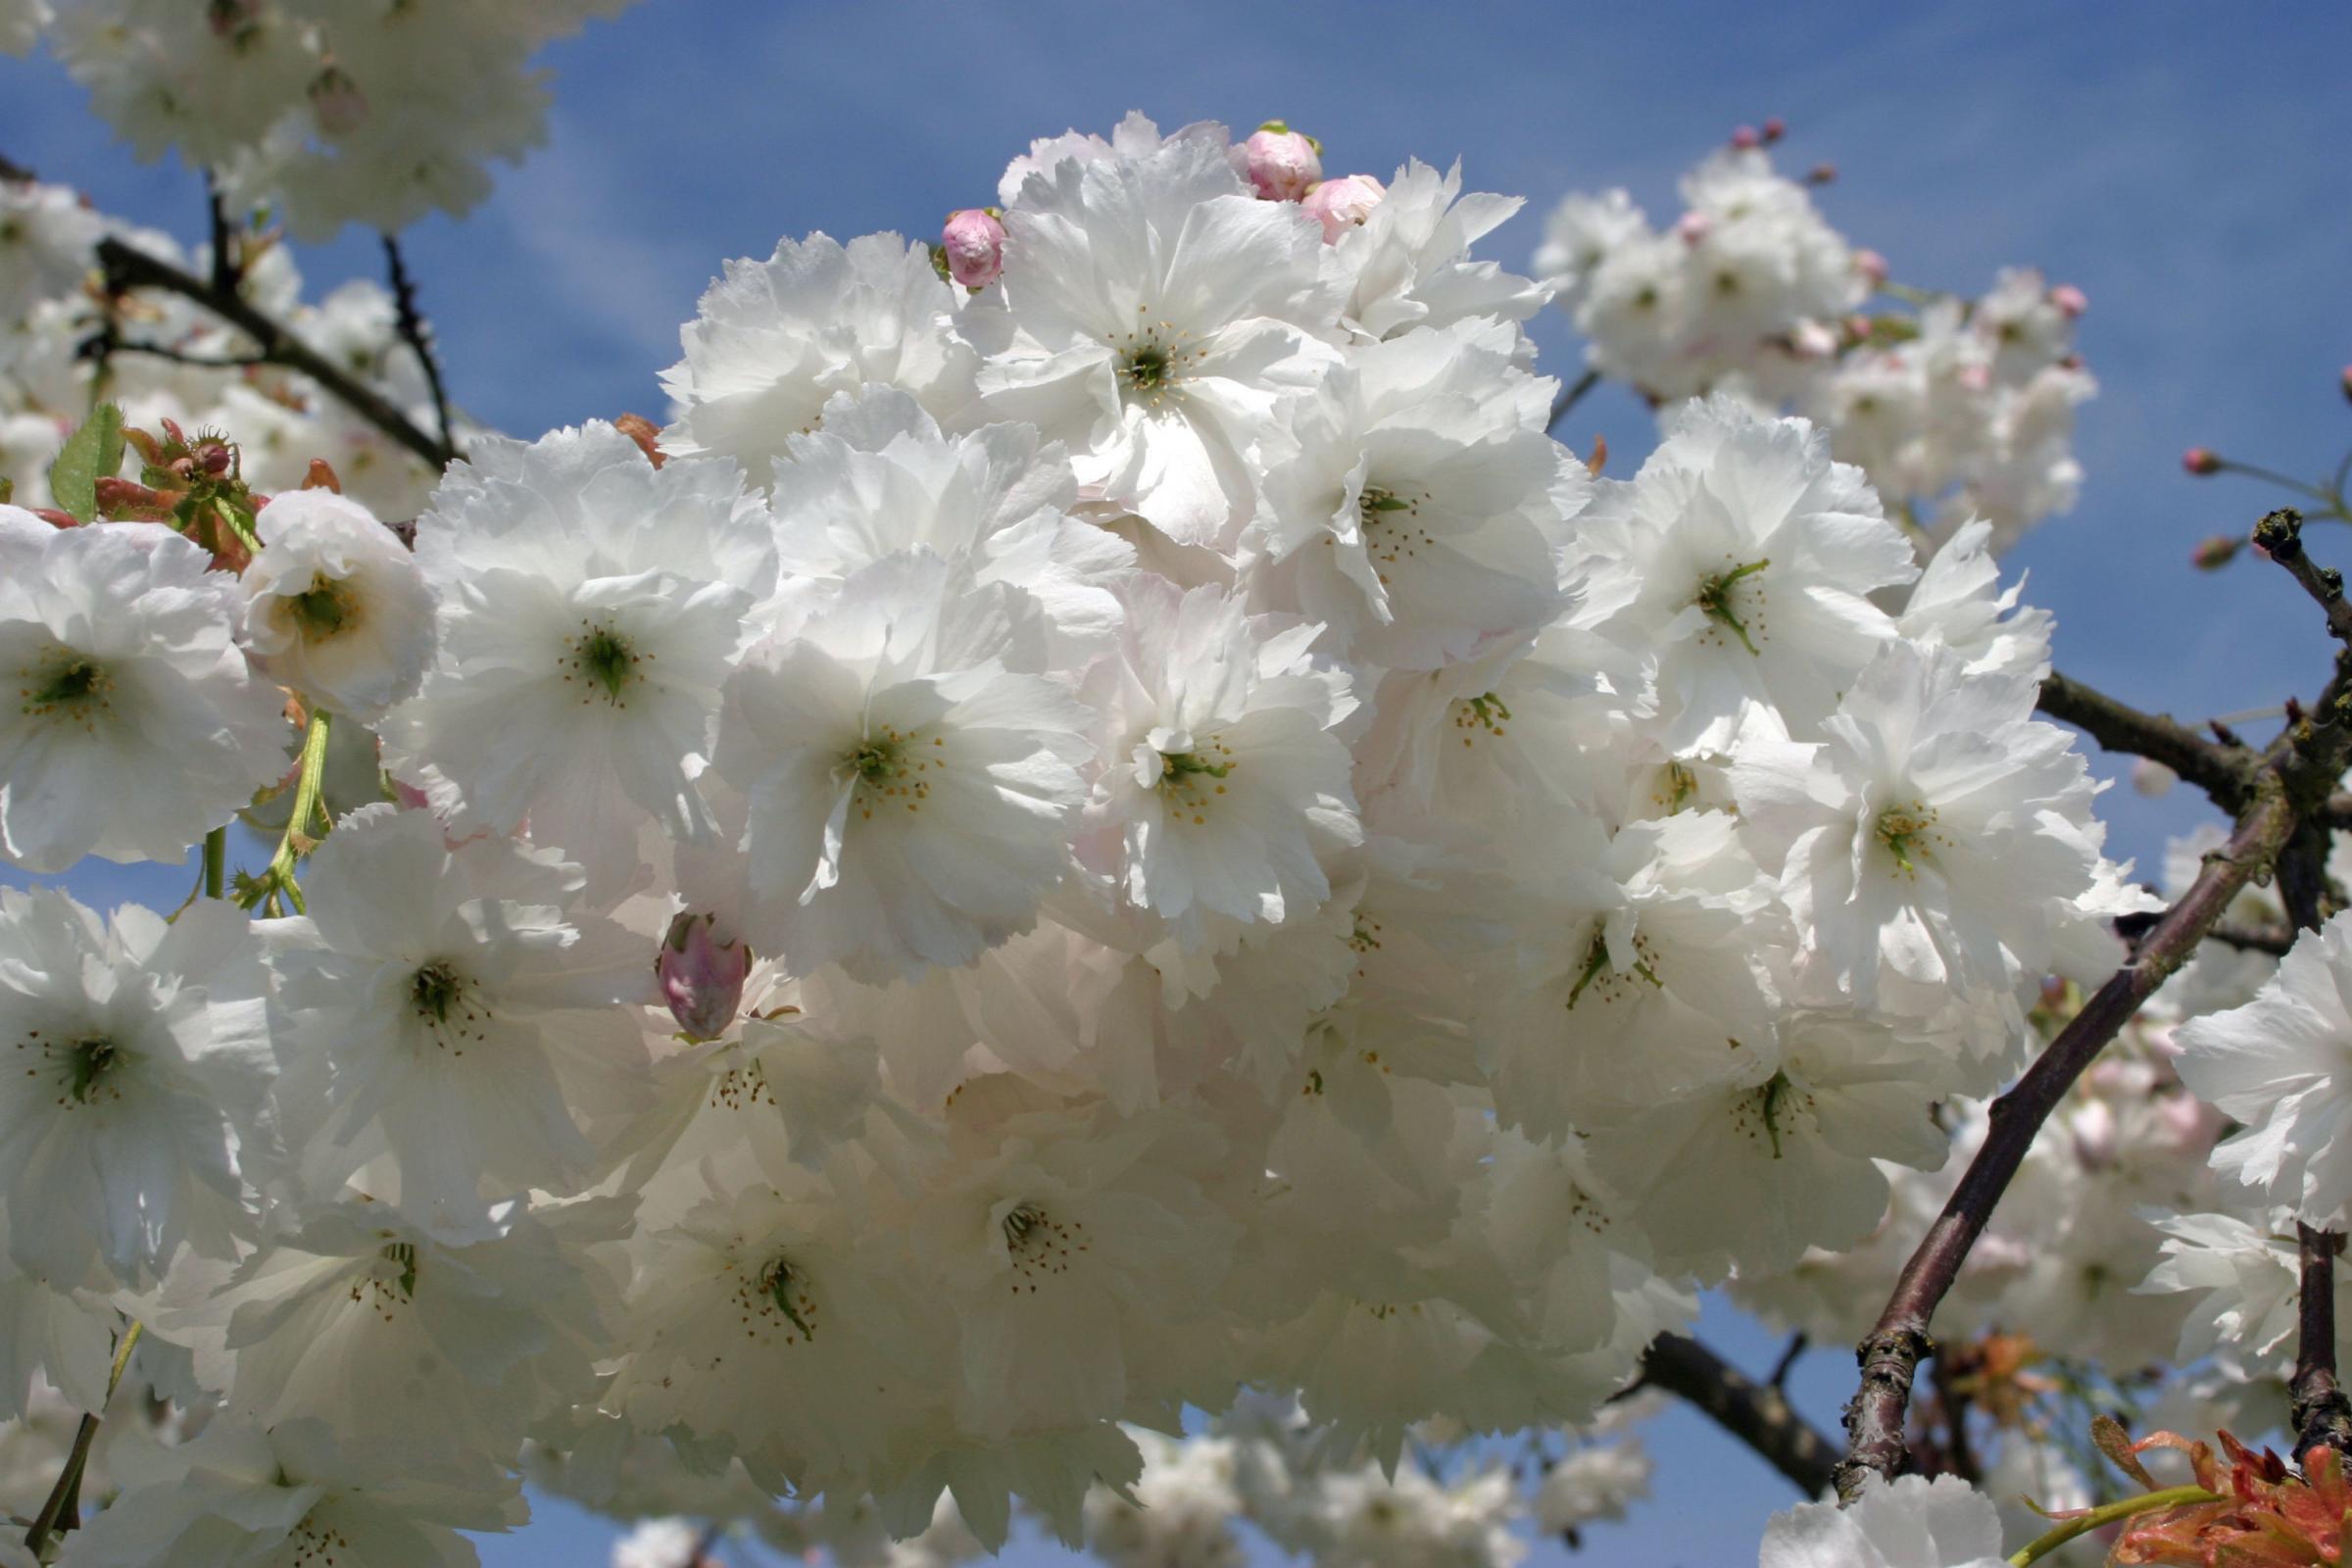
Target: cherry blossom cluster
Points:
(1101, 820)
(1955, 408)
(375, 113)
(50, 317)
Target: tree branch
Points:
(2272, 940)
(127, 269)
(2220, 771)
(1570, 396)
(2280, 535)
(418, 335)
(228, 255)
(1754, 1412)
(1891, 1355)
(2321, 1415)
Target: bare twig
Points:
(128, 267)
(2269, 939)
(418, 335)
(228, 252)
(1754, 1412)
(204, 362)
(2280, 535)
(1797, 1344)
(1570, 396)
(2221, 771)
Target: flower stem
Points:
(2107, 1514)
(216, 862)
(64, 1498)
(279, 881)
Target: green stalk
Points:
(216, 862)
(280, 880)
(2170, 1497)
(64, 1496)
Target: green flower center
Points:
(1910, 834)
(1717, 597)
(88, 1062)
(72, 683)
(326, 608)
(435, 988)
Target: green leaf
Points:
(90, 453)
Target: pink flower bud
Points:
(1746, 136)
(975, 245)
(701, 977)
(1692, 228)
(1284, 166)
(2069, 300)
(1822, 173)
(2213, 554)
(1870, 265)
(1975, 377)
(1811, 340)
(2093, 1129)
(1343, 204)
(338, 103)
(2200, 461)
(2152, 778)
(1858, 327)
(2345, 381)
(1774, 130)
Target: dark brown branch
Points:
(1891, 1355)
(1570, 396)
(2321, 1414)
(2271, 939)
(2220, 771)
(203, 361)
(1754, 1412)
(1959, 1454)
(229, 253)
(128, 267)
(1797, 1344)
(418, 335)
(2280, 535)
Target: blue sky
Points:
(2180, 163)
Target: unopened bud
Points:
(2071, 301)
(2345, 381)
(974, 242)
(2213, 554)
(1975, 377)
(2095, 1133)
(1746, 136)
(1692, 228)
(701, 977)
(321, 477)
(1774, 130)
(1822, 173)
(1284, 166)
(2199, 462)
(1811, 340)
(337, 102)
(1343, 204)
(2152, 778)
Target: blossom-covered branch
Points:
(128, 268)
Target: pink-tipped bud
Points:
(1774, 130)
(1822, 173)
(1746, 136)
(2071, 301)
(1872, 265)
(2152, 778)
(2095, 1133)
(1283, 165)
(1975, 377)
(2345, 381)
(2199, 462)
(1858, 327)
(1343, 204)
(1692, 228)
(974, 241)
(338, 103)
(2212, 555)
(1812, 340)
(701, 977)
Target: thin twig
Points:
(2280, 535)
(229, 253)
(418, 335)
(128, 267)
(2220, 771)
(1797, 1346)
(2320, 1413)
(1754, 1412)
(2272, 940)
(62, 1508)
(1569, 398)
(203, 361)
